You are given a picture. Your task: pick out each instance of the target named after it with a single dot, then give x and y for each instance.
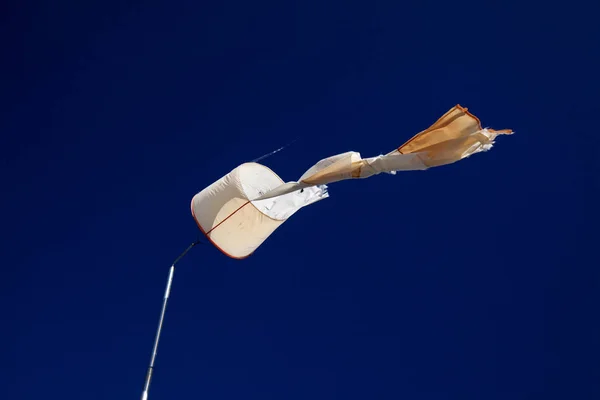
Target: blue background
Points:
(476, 280)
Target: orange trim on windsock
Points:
(466, 111)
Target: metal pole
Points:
(160, 321)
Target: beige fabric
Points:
(239, 211)
(336, 168)
(224, 214)
(456, 135)
(236, 224)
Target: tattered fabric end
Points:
(486, 141)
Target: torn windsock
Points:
(239, 211)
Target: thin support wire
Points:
(160, 321)
(274, 151)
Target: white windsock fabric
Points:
(236, 224)
(241, 210)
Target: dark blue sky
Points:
(476, 280)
